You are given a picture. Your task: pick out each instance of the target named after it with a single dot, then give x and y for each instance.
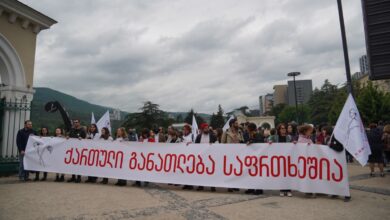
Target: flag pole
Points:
(345, 48)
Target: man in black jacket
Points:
(21, 142)
(77, 132)
(205, 137)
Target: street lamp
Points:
(294, 74)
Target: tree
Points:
(217, 120)
(149, 117)
(288, 114)
(188, 118)
(321, 101)
(276, 110)
(179, 118)
(373, 104)
(337, 105)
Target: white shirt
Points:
(205, 138)
(188, 138)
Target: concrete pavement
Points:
(51, 200)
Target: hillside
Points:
(76, 108)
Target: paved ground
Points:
(50, 200)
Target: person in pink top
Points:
(305, 132)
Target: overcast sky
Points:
(184, 54)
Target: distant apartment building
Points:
(362, 79)
(280, 94)
(364, 69)
(261, 105)
(116, 115)
(268, 103)
(357, 75)
(304, 90)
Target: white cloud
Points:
(191, 54)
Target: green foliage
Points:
(373, 104)
(188, 118)
(321, 102)
(337, 105)
(179, 119)
(217, 120)
(150, 117)
(75, 107)
(288, 114)
(276, 110)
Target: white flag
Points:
(349, 131)
(195, 130)
(104, 121)
(93, 121)
(227, 126)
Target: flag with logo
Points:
(349, 131)
(104, 121)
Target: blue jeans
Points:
(23, 174)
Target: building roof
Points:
(27, 13)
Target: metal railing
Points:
(12, 117)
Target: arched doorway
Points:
(15, 99)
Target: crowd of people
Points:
(245, 133)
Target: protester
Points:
(282, 137)
(161, 135)
(219, 133)
(232, 135)
(272, 134)
(44, 132)
(386, 142)
(121, 136)
(144, 138)
(253, 137)
(132, 135)
(59, 177)
(76, 132)
(292, 131)
(21, 142)
(305, 132)
(375, 141)
(205, 137)
(105, 135)
(188, 137)
(93, 132)
(152, 137)
(171, 132)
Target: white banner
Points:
(302, 167)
